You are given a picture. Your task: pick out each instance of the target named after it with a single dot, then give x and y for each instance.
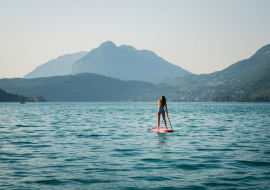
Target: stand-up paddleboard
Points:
(161, 130)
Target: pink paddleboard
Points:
(161, 130)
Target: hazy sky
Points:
(201, 36)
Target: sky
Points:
(199, 36)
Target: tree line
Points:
(227, 98)
(9, 97)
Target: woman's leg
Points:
(158, 119)
(163, 116)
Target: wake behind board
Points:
(161, 130)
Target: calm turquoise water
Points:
(111, 146)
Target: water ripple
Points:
(111, 146)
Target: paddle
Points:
(169, 118)
(170, 122)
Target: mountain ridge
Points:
(59, 66)
(239, 73)
(245, 80)
(125, 62)
(81, 87)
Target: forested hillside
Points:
(8, 97)
(240, 81)
(92, 87)
(81, 87)
(238, 73)
(255, 91)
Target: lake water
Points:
(110, 146)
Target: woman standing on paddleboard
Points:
(161, 105)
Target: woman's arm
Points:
(166, 109)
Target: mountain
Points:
(123, 62)
(59, 66)
(246, 80)
(240, 73)
(126, 63)
(255, 91)
(250, 69)
(81, 88)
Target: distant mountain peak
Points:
(108, 44)
(123, 62)
(127, 47)
(126, 63)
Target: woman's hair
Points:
(162, 100)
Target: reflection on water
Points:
(112, 146)
(161, 139)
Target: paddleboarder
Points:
(161, 105)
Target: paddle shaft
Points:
(170, 122)
(168, 117)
